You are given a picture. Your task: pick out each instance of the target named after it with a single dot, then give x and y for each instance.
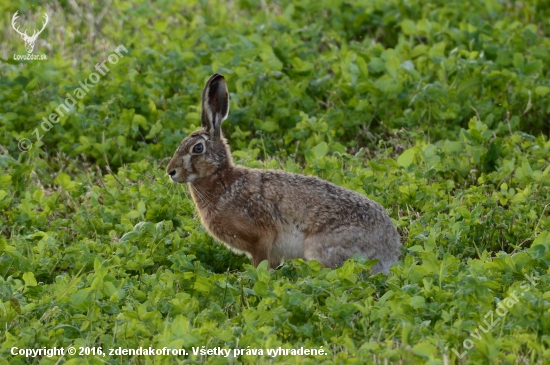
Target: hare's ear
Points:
(215, 105)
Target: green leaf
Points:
(417, 302)
(542, 90)
(29, 279)
(301, 66)
(80, 297)
(406, 158)
(408, 27)
(133, 214)
(363, 67)
(269, 126)
(10, 116)
(141, 207)
(518, 60)
(425, 349)
(464, 212)
(140, 120)
(260, 288)
(180, 326)
(347, 270)
(320, 150)
(392, 65)
(262, 272)
(453, 146)
(406, 332)
(65, 182)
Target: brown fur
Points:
(276, 215)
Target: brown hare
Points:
(276, 215)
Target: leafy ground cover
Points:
(437, 110)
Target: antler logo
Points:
(29, 40)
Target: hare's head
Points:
(205, 152)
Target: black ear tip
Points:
(216, 77)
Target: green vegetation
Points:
(438, 110)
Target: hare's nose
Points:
(172, 173)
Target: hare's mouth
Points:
(175, 176)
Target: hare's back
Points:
(312, 202)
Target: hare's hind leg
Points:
(329, 249)
(332, 249)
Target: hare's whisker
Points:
(172, 192)
(205, 192)
(184, 190)
(202, 197)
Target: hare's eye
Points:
(198, 148)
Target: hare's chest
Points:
(235, 230)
